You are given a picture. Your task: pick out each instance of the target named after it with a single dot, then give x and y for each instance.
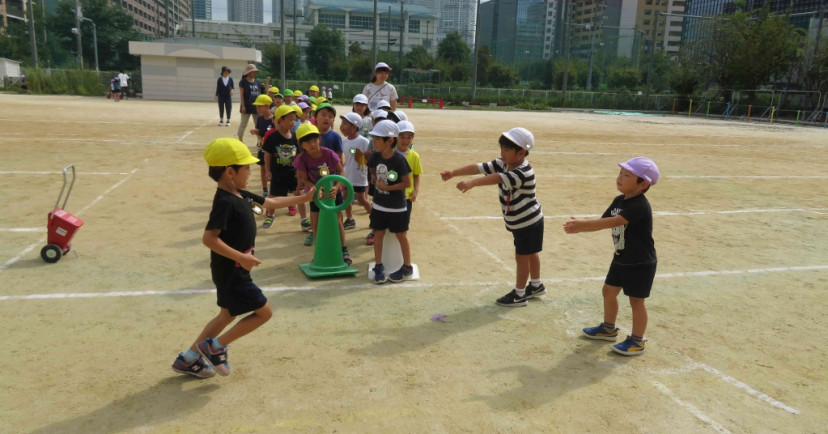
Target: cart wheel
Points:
(51, 253)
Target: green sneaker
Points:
(268, 222)
(309, 240)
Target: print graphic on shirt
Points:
(286, 154)
(324, 170)
(618, 233)
(382, 175)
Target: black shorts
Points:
(282, 182)
(241, 298)
(395, 222)
(529, 240)
(360, 188)
(636, 280)
(338, 201)
(260, 156)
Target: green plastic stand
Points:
(327, 253)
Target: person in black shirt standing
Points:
(224, 94)
(230, 234)
(633, 266)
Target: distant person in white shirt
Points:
(124, 78)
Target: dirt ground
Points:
(740, 216)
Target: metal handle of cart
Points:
(65, 199)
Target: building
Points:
(203, 9)
(245, 11)
(156, 18)
(457, 16)
(513, 30)
(186, 69)
(11, 10)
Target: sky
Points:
(220, 10)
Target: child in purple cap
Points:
(633, 267)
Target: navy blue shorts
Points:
(337, 201)
(241, 298)
(636, 280)
(394, 222)
(282, 182)
(529, 240)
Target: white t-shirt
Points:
(124, 79)
(356, 172)
(376, 93)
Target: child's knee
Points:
(265, 312)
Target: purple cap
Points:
(303, 106)
(643, 168)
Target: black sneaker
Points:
(535, 291)
(512, 299)
(349, 224)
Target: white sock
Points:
(535, 282)
(520, 291)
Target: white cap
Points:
(521, 137)
(353, 118)
(379, 114)
(405, 126)
(360, 98)
(383, 103)
(401, 115)
(385, 128)
(382, 65)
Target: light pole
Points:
(476, 45)
(591, 46)
(94, 39)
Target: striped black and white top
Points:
(518, 202)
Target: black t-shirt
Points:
(234, 218)
(634, 241)
(389, 201)
(251, 91)
(282, 151)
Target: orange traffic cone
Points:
(409, 102)
(441, 102)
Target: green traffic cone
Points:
(327, 252)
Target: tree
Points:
(453, 49)
(746, 49)
(326, 48)
(501, 75)
(272, 58)
(484, 60)
(114, 31)
(418, 58)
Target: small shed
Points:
(9, 68)
(186, 69)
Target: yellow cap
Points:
(274, 89)
(283, 110)
(297, 109)
(314, 87)
(263, 100)
(306, 129)
(297, 93)
(228, 151)
(320, 100)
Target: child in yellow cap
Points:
(264, 122)
(231, 235)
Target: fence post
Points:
(690, 110)
(707, 114)
(674, 106)
(797, 116)
(773, 110)
(749, 108)
(727, 111)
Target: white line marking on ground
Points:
(610, 176)
(755, 393)
(36, 172)
(485, 250)
(20, 229)
(418, 284)
(19, 255)
(656, 213)
(690, 408)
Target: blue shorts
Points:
(636, 280)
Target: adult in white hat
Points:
(249, 90)
(380, 89)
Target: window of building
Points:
(384, 24)
(361, 22)
(413, 26)
(334, 21)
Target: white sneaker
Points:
(227, 124)
(221, 124)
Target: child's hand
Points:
(308, 195)
(573, 226)
(413, 197)
(446, 175)
(381, 185)
(269, 175)
(248, 261)
(464, 186)
(254, 132)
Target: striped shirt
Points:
(517, 193)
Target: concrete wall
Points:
(188, 72)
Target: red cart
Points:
(61, 226)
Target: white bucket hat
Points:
(521, 137)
